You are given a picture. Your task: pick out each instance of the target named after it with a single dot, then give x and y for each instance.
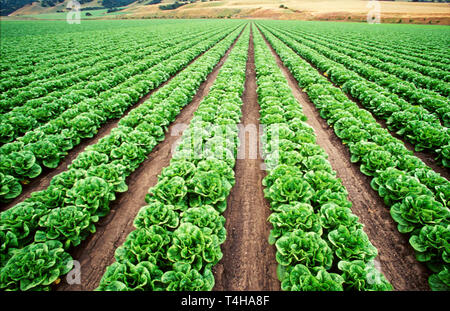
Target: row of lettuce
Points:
(421, 76)
(179, 232)
(416, 195)
(412, 87)
(320, 243)
(37, 234)
(418, 45)
(40, 80)
(47, 145)
(395, 56)
(413, 122)
(56, 96)
(56, 57)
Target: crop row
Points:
(56, 76)
(47, 145)
(416, 195)
(389, 64)
(385, 74)
(393, 51)
(414, 123)
(314, 229)
(179, 231)
(431, 101)
(57, 55)
(50, 81)
(391, 55)
(36, 234)
(89, 83)
(408, 45)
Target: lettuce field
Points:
(198, 155)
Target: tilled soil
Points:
(248, 261)
(97, 252)
(395, 255)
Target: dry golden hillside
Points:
(336, 10)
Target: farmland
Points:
(198, 155)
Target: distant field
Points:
(332, 10)
(60, 15)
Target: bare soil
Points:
(248, 262)
(395, 255)
(97, 252)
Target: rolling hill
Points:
(336, 10)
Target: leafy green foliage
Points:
(307, 248)
(300, 278)
(351, 245)
(290, 217)
(128, 277)
(313, 225)
(181, 229)
(416, 211)
(362, 276)
(432, 245)
(35, 266)
(76, 199)
(184, 278)
(70, 224)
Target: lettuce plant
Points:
(418, 210)
(194, 246)
(69, 225)
(157, 213)
(206, 217)
(289, 188)
(208, 187)
(17, 225)
(394, 185)
(363, 276)
(432, 245)
(302, 278)
(351, 244)
(333, 215)
(440, 281)
(88, 159)
(113, 174)
(184, 278)
(145, 244)
(182, 168)
(307, 248)
(289, 217)
(376, 160)
(171, 191)
(46, 152)
(92, 194)
(24, 164)
(129, 277)
(35, 267)
(10, 187)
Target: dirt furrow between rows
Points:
(43, 181)
(248, 261)
(395, 255)
(97, 252)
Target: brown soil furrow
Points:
(248, 261)
(43, 181)
(395, 255)
(97, 252)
